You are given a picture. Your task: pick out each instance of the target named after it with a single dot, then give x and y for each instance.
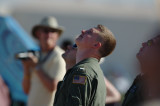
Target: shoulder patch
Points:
(77, 79)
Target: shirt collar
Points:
(87, 60)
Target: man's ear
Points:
(37, 34)
(97, 45)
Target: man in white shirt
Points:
(41, 75)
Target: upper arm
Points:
(79, 92)
(59, 68)
(112, 93)
(55, 68)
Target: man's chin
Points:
(78, 40)
(139, 57)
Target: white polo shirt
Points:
(54, 67)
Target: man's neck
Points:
(69, 66)
(46, 50)
(153, 87)
(84, 54)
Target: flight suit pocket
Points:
(74, 101)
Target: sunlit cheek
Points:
(52, 37)
(41, 37)
(89, 36)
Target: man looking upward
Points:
(84, 83)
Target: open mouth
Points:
(81, 36)
(141, 49)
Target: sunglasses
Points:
(47, 30)
(74, 46)
(150, 42)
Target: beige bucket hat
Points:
(48, 22)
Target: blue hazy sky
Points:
(149, 2)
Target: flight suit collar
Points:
(87, 60)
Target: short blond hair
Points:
(107, 39)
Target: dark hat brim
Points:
(37, 27)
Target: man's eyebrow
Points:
(95, 30)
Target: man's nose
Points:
(83, 31)
(144, 44)
(69, 47)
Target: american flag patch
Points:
(77, 79)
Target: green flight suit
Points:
(135, 94)
(83, 85)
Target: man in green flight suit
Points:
(146, 86)
(83, 84)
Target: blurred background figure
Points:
(13, 40)
(41, 74)
(113, 95)
(4, 94)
